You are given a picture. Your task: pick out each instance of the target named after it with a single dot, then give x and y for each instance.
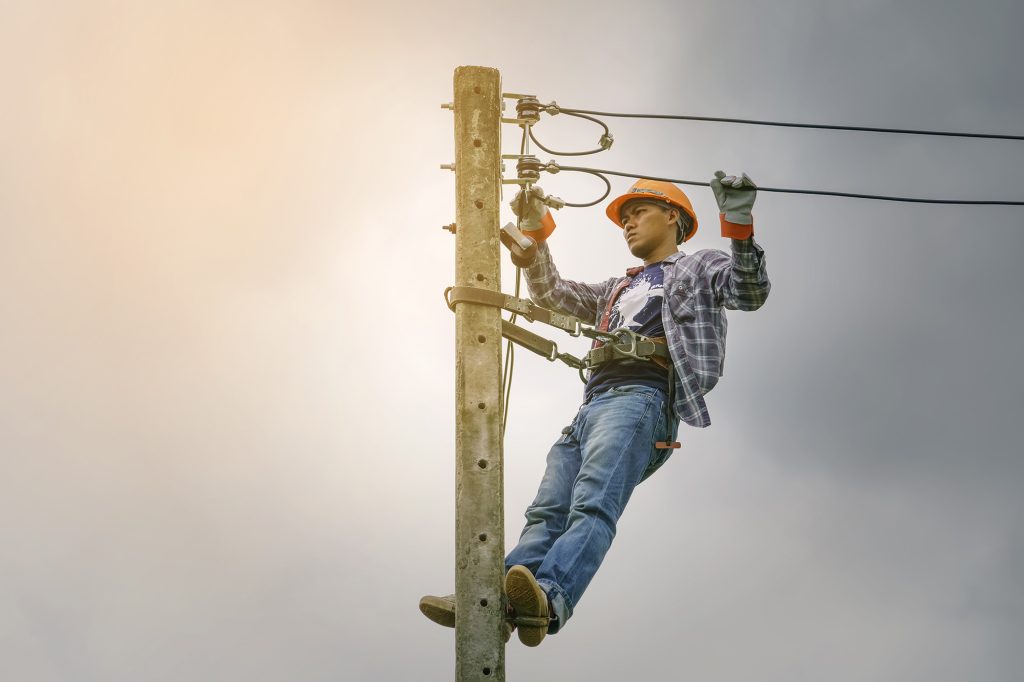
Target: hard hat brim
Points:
(640, 190)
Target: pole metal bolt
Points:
(448, 166)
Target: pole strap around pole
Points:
(520, 306)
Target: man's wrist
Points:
(736, 230)
(542, 230)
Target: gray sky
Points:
(226, 372)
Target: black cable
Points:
(510, 349)
(781, 124)
(600, 172)
(606, 136)
(607, 183)
(510, 364)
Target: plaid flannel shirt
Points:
(697, 288)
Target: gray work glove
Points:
(529, 210)
(735, 196)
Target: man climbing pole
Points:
(625, 428)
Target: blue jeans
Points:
(591, 472)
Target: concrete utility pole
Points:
(479, 486)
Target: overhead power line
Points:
(783, 124)
(529, 109)
(601, 172)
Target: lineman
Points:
(631, 406)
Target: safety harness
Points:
(618, 344)
(641, 348)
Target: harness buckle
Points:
(631, 338)
(622, 344)
(571, 325)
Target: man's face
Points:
(647, 227)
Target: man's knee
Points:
(604, 513)
(548, 514)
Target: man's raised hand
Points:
(735, 195)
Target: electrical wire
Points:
(606, 136)
(589, 115)
(510, 349)
(600, 172)
(607, 184)
(510, 363)
(782, 124)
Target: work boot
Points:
(441, 610)
(530, 603)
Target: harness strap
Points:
(521, 306)
(538, 344)
(617, 345)
(659, 354)
(639, 348)
(623, 283)
(606, 316)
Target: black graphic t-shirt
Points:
(638, 308)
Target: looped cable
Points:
(605, 142)
(554, 168)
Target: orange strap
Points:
(547, 226)
(607, 316)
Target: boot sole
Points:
(438, 610)
(529, 601)
(443, 613)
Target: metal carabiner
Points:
(632, 340)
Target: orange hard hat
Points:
(658, 191)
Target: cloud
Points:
(226, 374)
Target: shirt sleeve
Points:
(740, 281)
(548, 289)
